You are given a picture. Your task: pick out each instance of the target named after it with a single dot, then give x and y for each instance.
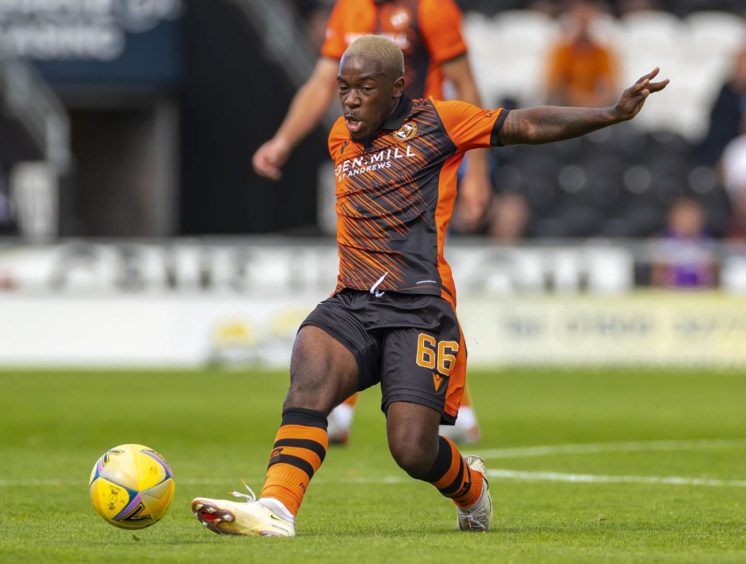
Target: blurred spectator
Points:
(7, 215)
(510, 213)
(736, 227)
(732, 168)
(727, 112)
(580, 70)
(508, 217)
(685, 256)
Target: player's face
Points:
(367, 95)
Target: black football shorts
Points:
(411, 343)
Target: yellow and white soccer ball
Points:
(131, 486)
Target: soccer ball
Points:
(131, 486)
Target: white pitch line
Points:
(592, 448)
(9, 483)
(518, 452)
(54, 482)
(38, 482)
(499, 473)
(601, 479)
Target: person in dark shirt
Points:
(727, 113)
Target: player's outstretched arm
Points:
(306, 110)
(545, 124)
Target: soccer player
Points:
(391, 319)
(429, 34)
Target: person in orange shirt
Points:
(581, 71)
(429, 34)
(391, 319)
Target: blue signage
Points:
(96, 41)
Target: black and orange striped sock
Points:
(453, 477)
(299, 449)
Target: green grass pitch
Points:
(660, 475)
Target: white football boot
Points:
(478, 517)
(248, 518)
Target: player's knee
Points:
(415, 458)
(305, 401)
(308, 392)
(311, 383)
(319, 378)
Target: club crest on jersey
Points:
(407, 131)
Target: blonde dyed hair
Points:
(377, 48)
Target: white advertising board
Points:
(664, 328)
(168, 330)
(196, 330)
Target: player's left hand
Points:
(270, 157)
(632, 99)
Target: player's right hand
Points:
(632, 99)
(270, 157)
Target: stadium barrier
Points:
(227, 303)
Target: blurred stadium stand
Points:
(34, 128)
(166, 100)
(617, 182)
(279, 27)
(182, 302)
(148, 113)
(509, 49)
(33, 121)
(165, 115)
(262, 266)
(617, 7)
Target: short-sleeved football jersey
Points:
(395, 196)
(427, 31)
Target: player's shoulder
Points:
(433, 108)
(450, 106)
(466, 123)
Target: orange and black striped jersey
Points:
(427, 31)
(395, 195)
